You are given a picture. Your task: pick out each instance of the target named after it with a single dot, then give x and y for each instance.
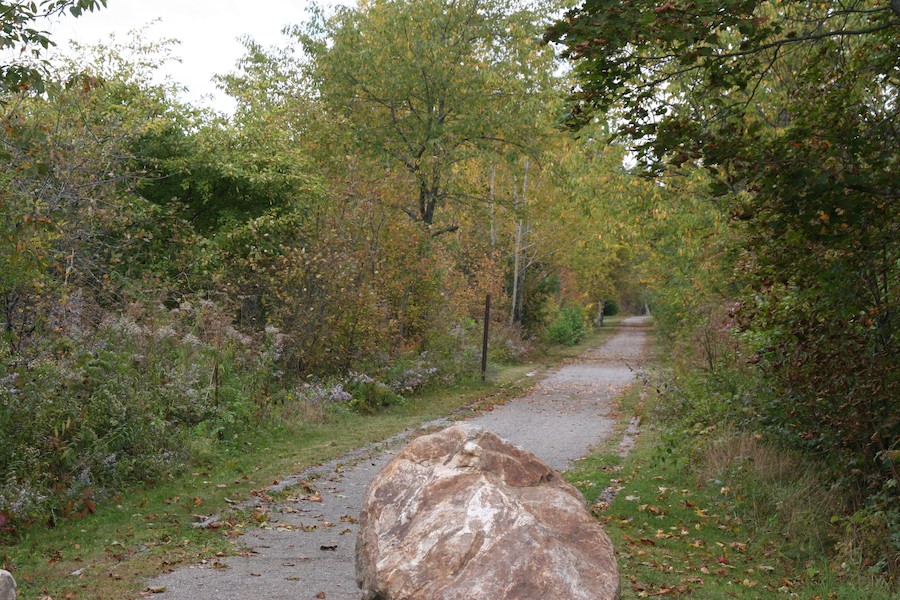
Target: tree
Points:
(791, 109)
(427, 85)
(17, 29)
(69, 222)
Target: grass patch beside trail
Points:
(693, 525)
(147, 531)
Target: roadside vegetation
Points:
(708, 511)
(771, 131)
(147, 529)
(176, 284)
(171, 278)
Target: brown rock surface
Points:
(462, 514)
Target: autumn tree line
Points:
(785, 282)
(169, 274)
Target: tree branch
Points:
(443, 230)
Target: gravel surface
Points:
(306, 550)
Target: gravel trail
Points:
(306, 551)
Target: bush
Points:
(90, 415)
(410, 376)
(455, 351)
(370, 395)
(507, 345)
(610, 308)
(568, 328)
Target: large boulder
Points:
(7, 586)
(462, 514)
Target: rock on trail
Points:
(307, 548)
(462, 514)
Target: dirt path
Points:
(306, 550)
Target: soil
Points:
(306, 548)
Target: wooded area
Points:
(171, 277)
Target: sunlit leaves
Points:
(427, 85)
(791, 109)
(17, 29)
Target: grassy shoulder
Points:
(716, 515)
(143, 532)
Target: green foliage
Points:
(427, 85)
(610, 308)
(540, 298)
(224, 174)
(115, 407)
(370, 396)
(789, 109)
(569, 327)
(17, 29)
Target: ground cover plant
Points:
(713, 514)
(147, 529)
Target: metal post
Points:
(484, 344)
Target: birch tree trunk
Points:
(519, 266)
(493, 230)
(516, 258)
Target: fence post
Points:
(484, 344)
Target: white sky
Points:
(208, 31)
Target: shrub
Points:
(507, 345)
(568, 328)
(370, 395)
(90, 415)
(610, 308)
(409, 376)
(456, 351)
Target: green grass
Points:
(678, 535)
(147, 531)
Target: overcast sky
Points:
(208, 31)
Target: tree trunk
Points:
(526, 229)
(493, 231)
(517, 251)
(519, 266)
